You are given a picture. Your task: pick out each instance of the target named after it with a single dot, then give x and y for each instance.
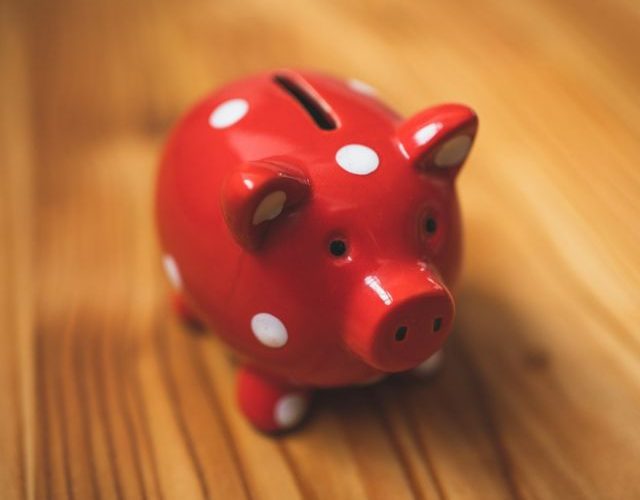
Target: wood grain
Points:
(105, 395)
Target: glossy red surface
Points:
(254, 187)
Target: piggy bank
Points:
(315, 231)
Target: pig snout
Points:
(399, 317)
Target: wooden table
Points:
(104, 395)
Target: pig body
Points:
(315, 231)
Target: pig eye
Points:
(430, 225)
(337, 248)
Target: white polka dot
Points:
(269, 330)
(172, 271)
(362, 87)
(289, 410)
(453, 151)
(228, 113)
(270, 207)
(357, 159)
(430, 366)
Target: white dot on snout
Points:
(362, 87)
(289, 410)
(172, 271)
(228, 113)
(270, 207)
(357, 159)
(269, 330)
(453, 151)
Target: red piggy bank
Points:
(315, 230)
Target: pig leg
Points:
(269, 404)
(185, 312)
(429, 367)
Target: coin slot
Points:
(318, 110)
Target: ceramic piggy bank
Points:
(315, 231)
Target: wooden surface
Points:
(105, 396)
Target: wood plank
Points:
(107, 396)
(17, 442)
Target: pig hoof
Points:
(429, 367)
(186, 314)
(290, 409)
(270, 405)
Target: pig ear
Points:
(439, 139)
(257, 193)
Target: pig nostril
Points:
(437, 324)
(401, 333)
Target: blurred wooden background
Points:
(103, 395)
